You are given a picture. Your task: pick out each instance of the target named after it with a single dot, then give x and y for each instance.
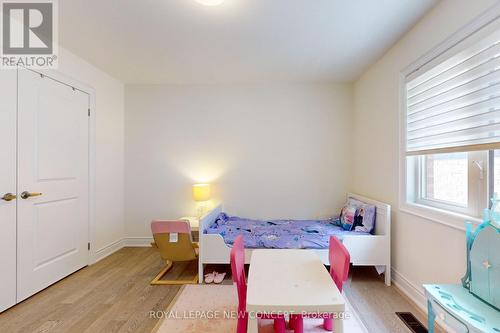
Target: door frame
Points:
(90, 91)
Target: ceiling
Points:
(240, 41)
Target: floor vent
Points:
(413, 323)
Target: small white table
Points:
(193, 221)
(291, 281)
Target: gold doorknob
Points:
(9, 197)
(26, 194)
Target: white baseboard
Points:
(415, 295)
(119, 244)
(138, 241)
(108, 250)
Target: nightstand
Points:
(193, 221)
(195, 226)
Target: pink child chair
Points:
(339, 259)
(238, 272)
(174, 242)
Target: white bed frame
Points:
(372, 250)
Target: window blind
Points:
(455, 105)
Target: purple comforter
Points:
(279, 234)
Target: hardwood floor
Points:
(114, 295)
(376, 303)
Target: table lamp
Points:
(201, 194)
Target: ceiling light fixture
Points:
(210, 2)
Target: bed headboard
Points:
(210, 217)
(383, 214)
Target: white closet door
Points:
(8, 89)
(52, 223)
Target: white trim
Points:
(444, 217)
(410, 290)
(108, 250)
(65, 79)
(119, 244)
(138, 241)
(92, 177)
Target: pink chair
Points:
(174, 242)
(339, 259)
(238, 272)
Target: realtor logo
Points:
(29, 34)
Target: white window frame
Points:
(409, 201)
(477, 187)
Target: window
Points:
(452, 181)
(494, 175)
(496, 172)
(445, 178)
(452, 126)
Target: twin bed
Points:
(218, 230)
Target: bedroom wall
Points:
(109, 223)
(422, 251)
(269, 150)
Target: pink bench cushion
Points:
(174, 226)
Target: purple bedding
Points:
(279, 234)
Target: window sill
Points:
(441, 216)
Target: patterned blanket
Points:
(279, 234)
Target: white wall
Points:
(423, 251)
(109, 146)
(269, 150)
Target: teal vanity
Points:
(474, 305)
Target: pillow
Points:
(347, 216)
(364, 218)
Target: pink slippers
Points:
(219, 277)
(209, 278)
(214, 277)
